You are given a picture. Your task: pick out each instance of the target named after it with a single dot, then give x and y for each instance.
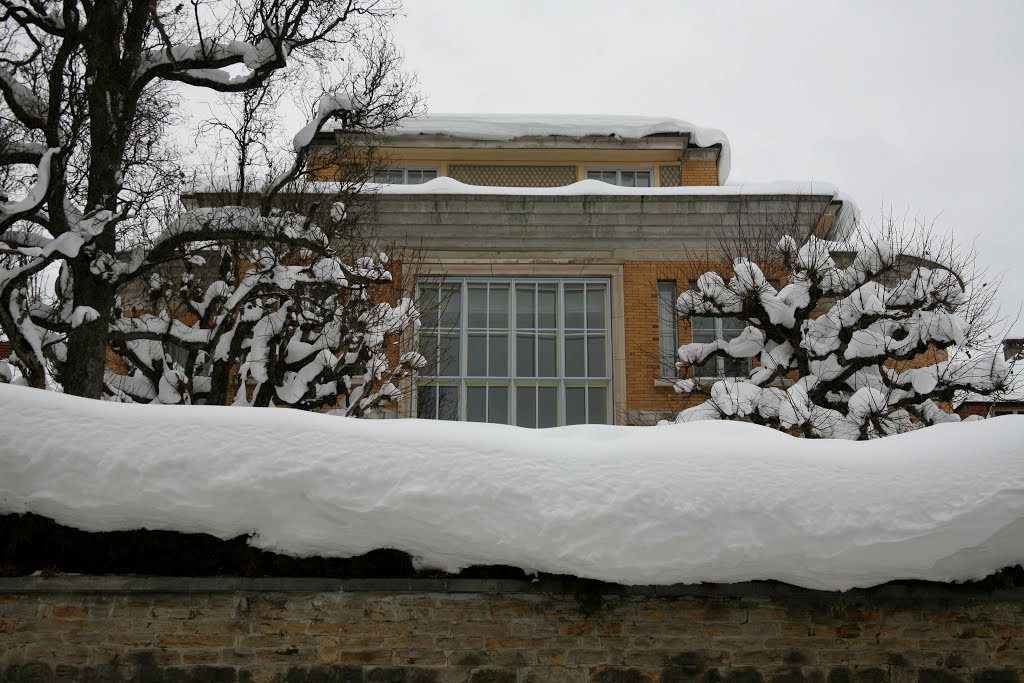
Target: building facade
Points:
(550, 250)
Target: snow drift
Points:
(645, 505)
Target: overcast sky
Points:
(913, 107)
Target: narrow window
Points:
(668, 338)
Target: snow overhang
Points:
(560, 129)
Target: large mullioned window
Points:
(534, 352)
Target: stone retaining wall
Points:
(494, 631)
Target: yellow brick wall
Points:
(640, 298)
(700, 172)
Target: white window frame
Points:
(405, 173)
(512, 379)
(618, 171)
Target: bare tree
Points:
(90, 90)
(855, 339)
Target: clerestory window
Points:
(623, 177)
(525, 351)
(395, 175)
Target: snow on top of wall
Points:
(509, 127)
(685, 503)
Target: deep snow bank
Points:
(681, 503)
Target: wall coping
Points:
(910, 590)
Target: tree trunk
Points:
(87, 344)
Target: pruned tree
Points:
(91, 91)
(851, 340)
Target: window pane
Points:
(667, 347)
(417, 176)
(390, 176)
(477, 306)
(737, 367)
(497, 404)
(427, 306)
(643, 178)
(546, 295)
(426, 402)
(547, 359)
(731, 328)
(450, 306)
(428, 347)
(476, 355)
(575, 406)
(627, 179)
(447, 403)
(595, 307)
(526, 406)
(574, 307)
(574, 356)
(547, 406)
(525, 295)
(525, 355)
(448, 355)
(708, 368)
(597, 411)
(701, 324)
(476, 404)
(498, 363)
(499, 307)
(595, 356)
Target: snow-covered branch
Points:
(36, 196)
(854, 351)
(35, 15)
(29, 109)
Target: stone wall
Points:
(581, 229)
(494, 631)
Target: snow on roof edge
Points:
(445, 185)
(508, 127)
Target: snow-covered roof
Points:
(720, 501)
(445, 185)
(842, 225)
(508, 127)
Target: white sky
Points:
(914, 107)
